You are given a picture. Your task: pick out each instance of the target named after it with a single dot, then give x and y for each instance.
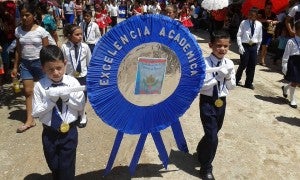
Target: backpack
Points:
(49, 23)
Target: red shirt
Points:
(219, 15)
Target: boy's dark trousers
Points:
(248, 62)
(212, 119)
(60, 152)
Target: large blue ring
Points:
(108, 102)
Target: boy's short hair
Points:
(297, 25)
(219, 34)
(88, 12)
(254, 9)
(51, 53)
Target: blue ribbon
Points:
(114, 152)
(163, 155)
(137, 153)
(179, 136)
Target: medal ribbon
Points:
(77, 60)
(218, 89)
(57, 119)
(86, 35)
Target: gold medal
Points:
(250, 42)
(219, 103)
(64, 127)
(76, 74)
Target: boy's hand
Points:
(284, 68)
(229, 69)
(64, 97)
(222, 72)
(241, 50)
(52, 94)
(53, 98)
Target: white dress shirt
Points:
(42, 105)
(293, 11)
(93, 33)
(291, 48)
(244, 33)
(84, 57)
(210, 78)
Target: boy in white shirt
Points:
(58, 112)
(213, 100)
(90, 30)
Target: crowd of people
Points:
(31, 50)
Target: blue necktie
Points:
(59, 101)
(85, 31)
(252, 28)
(215, 88)
(78, 68)
(56, 119)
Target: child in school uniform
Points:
(291, 66)
(58, 113)
(78, 55)
(90, 29)
(213, 99)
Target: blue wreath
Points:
(108, 102)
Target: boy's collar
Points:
(59, 82)
(215, 57)
(78, 44)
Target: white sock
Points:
(286, 88)
(83, 117)
(292, 97)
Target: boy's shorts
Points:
(31, 69)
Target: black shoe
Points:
(293, 106)
(237, 83)
(283, 94)
(207, 176)
(81, 125)
(249, 86)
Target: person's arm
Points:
(209, 80)
(14, 71)
(88, 56)
(55, 36)
(97, 33)
(230, 80)
(76, 99)
(239, 38)
(286, 55)
(41, 105)
(287, 51)
(45, 41)
(259, 37)
(289, 27)
(209, 83)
